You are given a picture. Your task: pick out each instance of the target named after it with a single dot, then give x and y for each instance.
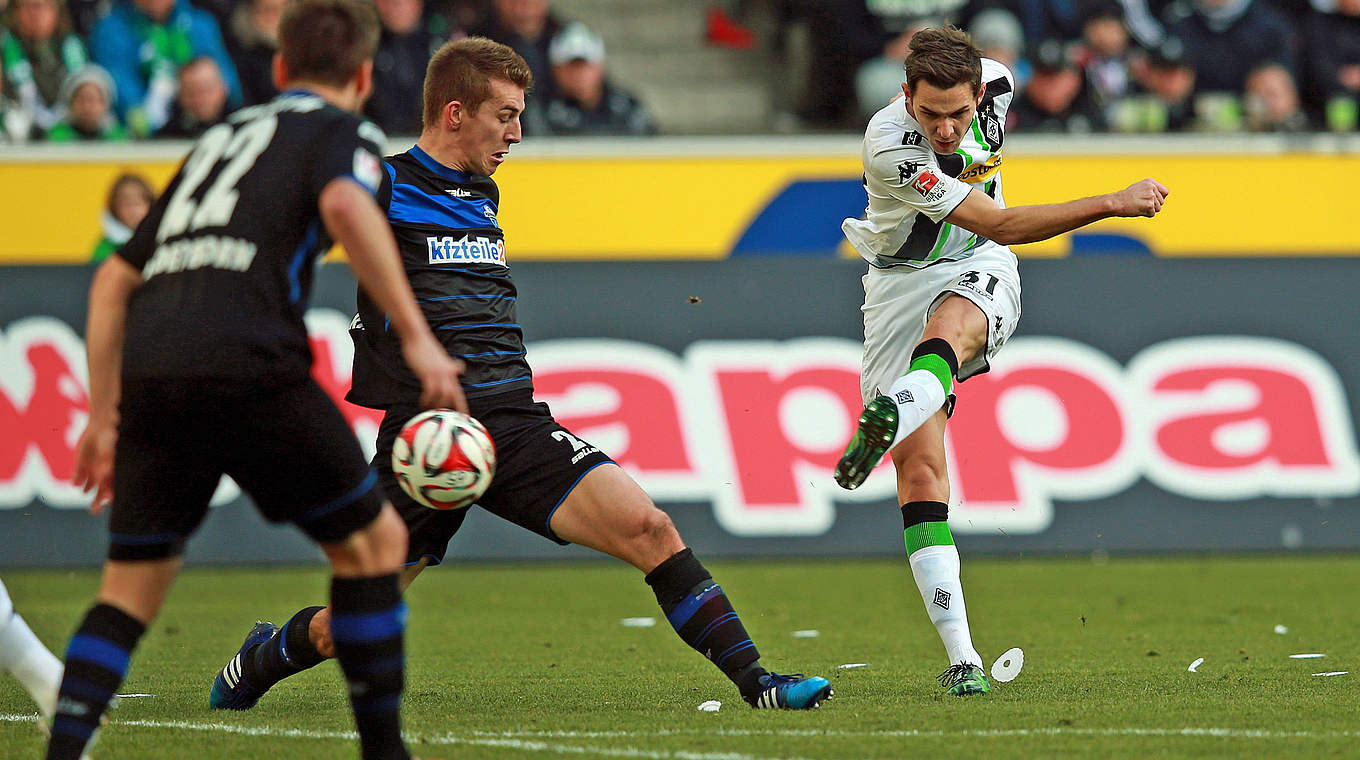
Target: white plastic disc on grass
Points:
(711, 705)
(1194, 666)
(1008, 665)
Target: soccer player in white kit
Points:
(942, 293)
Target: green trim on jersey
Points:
(921, 535)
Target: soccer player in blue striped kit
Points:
(443, 206)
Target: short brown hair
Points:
(463, 71)
(943, 57)
(326, 41)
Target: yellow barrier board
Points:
(602, 207)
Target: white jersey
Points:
(912, 189)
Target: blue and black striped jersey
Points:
(454, 255)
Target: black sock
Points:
(96, 661)
(368, 618)
(289, 651)
(700, 613)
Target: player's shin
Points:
(96, 661)
(368, 620)
(934, 564)
(703, 617)
(923, 389)
(288, 652)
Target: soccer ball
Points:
(444, 459)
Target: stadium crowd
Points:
(112, 70)
(1104, 65)
(133, 69)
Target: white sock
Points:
(22, 654)
(918, 395)
(936, 570)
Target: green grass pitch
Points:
(531, 661)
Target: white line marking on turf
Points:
(478, 739)
(517, 739)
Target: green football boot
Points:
(872, 439)
(964, 679)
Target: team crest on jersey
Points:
(489, 212)
(367, 169)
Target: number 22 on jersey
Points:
(238, 148)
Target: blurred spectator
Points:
(1331, 62)
(130, 198)
(528, 26)
(39, 52)
(88, 96)
(999, 35)
(584, 102)
(1104, 54)
(200, 102)
(1272, 101)
(1055, 99)
(399, 67)
(16, 123)
(253, 42)
(1169, 81)
(1226, 39)
(143, 43)
(879, 79)
(84, 14)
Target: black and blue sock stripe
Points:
(97, 659)
(701, 614)
(368, 621)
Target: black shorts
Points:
(538, 462)
(285, 444)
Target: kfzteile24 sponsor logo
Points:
(755, 427)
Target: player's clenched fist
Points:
(1142, 198)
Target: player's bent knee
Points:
(375, 549)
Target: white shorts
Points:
(898, 301)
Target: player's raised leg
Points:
(23, 655)
(889, 418)
(607, 511)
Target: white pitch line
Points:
(517, 739)
(442, 739)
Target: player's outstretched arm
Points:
(1027, 224)
(113, 284)
(356, 222)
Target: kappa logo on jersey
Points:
(925, 183)
(908, 169)
(367, 169)
(466, 250)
